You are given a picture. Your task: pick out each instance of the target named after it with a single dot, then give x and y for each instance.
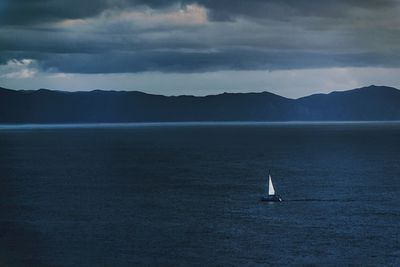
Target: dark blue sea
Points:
(188, 194)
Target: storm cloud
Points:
(188, 36)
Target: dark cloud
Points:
(20, 12)
(181, 62)
(39, 11)
(114, 36)
(284, 9)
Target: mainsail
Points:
(271, 190)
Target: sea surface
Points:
(187, 194)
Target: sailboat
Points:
(272, 196)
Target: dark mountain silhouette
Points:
(367, 103)
(47, 106)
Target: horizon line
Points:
(16, 126)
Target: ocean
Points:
(187, 194)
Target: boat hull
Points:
(274, 198)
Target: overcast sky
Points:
(289, 47)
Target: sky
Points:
(289, 47)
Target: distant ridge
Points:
(48, 106)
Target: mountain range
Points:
(48, 106)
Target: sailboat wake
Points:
(319, 200)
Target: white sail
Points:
(271, 190)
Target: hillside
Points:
(47, 106)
